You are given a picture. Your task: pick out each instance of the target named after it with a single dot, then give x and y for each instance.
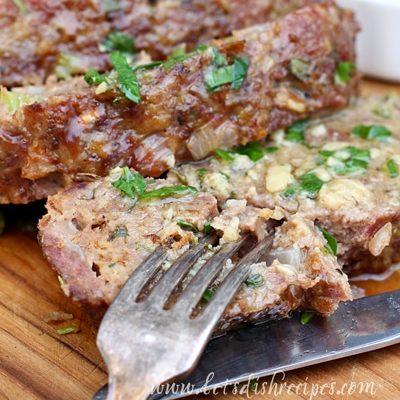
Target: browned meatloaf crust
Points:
(95, 239)
(39, 36)
(70, 130)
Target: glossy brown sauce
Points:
(379, 283)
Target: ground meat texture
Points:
(39, 36)
(357, 197)
(70, 131)
(95, 239)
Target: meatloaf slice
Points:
(40, 38)
(299, 66)
(95, 238)
(341, 172)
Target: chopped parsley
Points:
(331, 241)
(346, 161)
(119, 231)
(134, 185)
(187, 226)
(253, 150)
(93, 77)
(254, 281)
(207, 228)
(306, 317)
(295, 132)
(118, 41)
(168, 191)
(66, 330)
(201, 172)
(208, 294)
(377, 132)
(127, 79)
(392, 168)
(309, 184)
(23, 8)
(221, 73)
(226, 155)
(300, 69)
(344, 72)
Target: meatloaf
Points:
(333, 184)
(40, 38)
(237, 90)
(95, 238)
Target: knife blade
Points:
(261, 350)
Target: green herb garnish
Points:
(255, 281)
(344, 72)
(127, 79)
(132, 184)
(226, 155)
(300, 69)
(23, 8)
(271, 149)
(118, 41)
(208, 294)
(207, 228)
(306, 317)
(311, 184)
(119, 231)
(331, 245)
(201, 172)
(253, 150)
(167, 191)
(13, 101)
(218, 76)
(295, 132)
(66, 330)
(187, 226)
(93, 77)
(392, 168)
(378, 132)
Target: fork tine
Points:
(205, 276)
(141, 276)
(232, 282)
(177, 271)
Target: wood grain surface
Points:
(36, 362)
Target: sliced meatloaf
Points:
(342, 172)
(40, 38)
(95, 236)
(334, 183)
(238, 90)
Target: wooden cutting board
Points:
(36, 362)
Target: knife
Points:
(261, 350)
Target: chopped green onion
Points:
(378, 132)
(207, 228)
(201, 172)
(300, 69)
(306, 317)
(118, 41)
(149, 65)
(187, 226)
(271, 149)
(68, 65)
(255, 281)
(331, 241)
(344, 72)
(127, 79)
(167, 191)
(392, 168)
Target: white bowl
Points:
(379, 41)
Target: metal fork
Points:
(143, 343)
